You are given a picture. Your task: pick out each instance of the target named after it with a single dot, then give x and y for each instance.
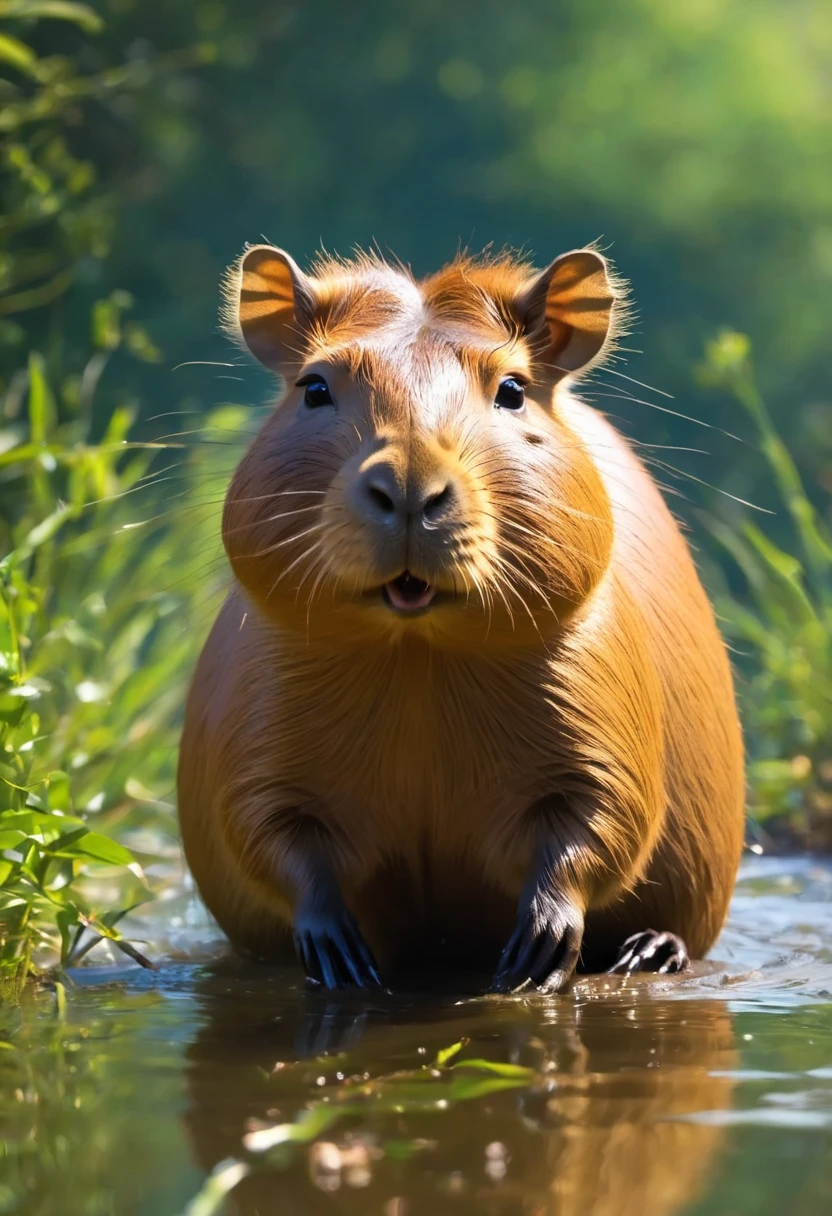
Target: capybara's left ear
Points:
(568, 311)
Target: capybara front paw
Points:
(543, 949)
(332, 950)
(651, 951)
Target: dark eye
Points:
(511, 394)
(317, 391)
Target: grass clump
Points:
(98, 629)
(98, 619)
(781, 624)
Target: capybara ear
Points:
(269, 304)
(569, 310)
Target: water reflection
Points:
(596, 1130)
(698, 1096)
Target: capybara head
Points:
(419, 475)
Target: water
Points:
(709, 1093)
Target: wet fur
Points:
(582, 690)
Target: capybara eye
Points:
(511, 394)
(317, 391)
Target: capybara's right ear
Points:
(270, 303)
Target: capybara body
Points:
(466, 705)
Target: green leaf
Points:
(42, 414)
(12, 709)
(32, 822)
(448, 1053)
(17, 53)
(62, 845)
(60, 10)
(41, 533)
(102, 848)
(106, 324)
(306, 1128)
(786, 569)
(10, 839)
(470, 1089)
(514, 1072)
(217, 1186)
(66, 920)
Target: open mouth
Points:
(408, 593)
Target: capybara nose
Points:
(382, 499)
(436, 505)
(379, 496)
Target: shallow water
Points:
(709, 1093)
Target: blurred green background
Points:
(692, 139)
(144, 141)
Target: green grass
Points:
(782, 626)
(104, 583)
(104, 593)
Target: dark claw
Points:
(662, 953)
(543, 949)
(333, 952)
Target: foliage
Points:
(96, 636)
(785, 616)
(59, 217)
(96, 629)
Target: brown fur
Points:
(572, 680)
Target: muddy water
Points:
(210, 1087)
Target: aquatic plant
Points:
(428, 1088)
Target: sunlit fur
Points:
(570, 663)
(414, 373)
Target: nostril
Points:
(435, 506)
(381, 499)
